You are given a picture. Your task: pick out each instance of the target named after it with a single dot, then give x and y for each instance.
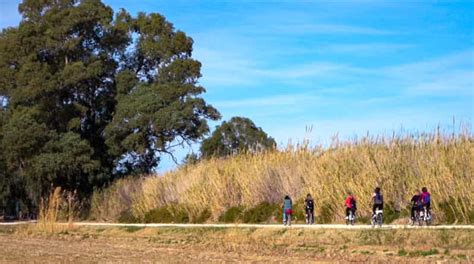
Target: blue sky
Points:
(340, 67)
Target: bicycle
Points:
(377, 219)
(425, 216)
(417, 218)
(309, 217)
(351, 218)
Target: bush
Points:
(390, 213)
(202, 217)
(127, 217)
(261, 213)
(167, 214)
(232, 214)
(299, 215)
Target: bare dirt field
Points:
(178, 245)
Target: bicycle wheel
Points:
(429, 219)
(379, 219)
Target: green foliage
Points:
(127, 217)
(261, 213)
(202, 217)
(167, 214)
(453, 213)
(389, 213)
(87, 97)
(402, 252)
(132, 229)
(232, 215)
(237, 135)
(423, 253)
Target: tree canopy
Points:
(237, 135)
(88, 95)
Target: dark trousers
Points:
(428, 207)
(413, 210)
(310, 212)
(348, 210)
(377, 206)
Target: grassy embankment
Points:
(132, 244)
(249, 187)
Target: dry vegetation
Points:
(178, 245)
(399, 164)
(58, 206)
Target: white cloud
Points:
(363, 48)
(447, 75)
(330, 29)
(285, 100)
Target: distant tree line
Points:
(88, 96)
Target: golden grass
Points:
(398, 164)
(58, 206)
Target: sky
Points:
(315, 69)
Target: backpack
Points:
(426, 198)
(378, 198)
(353, 203)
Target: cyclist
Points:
(309, 209)
(287, 210)
(426, 199)
(377, 198)
(351, 204)
(415, 204)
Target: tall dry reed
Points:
(398, 164)
(58, 206)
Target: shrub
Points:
(402, 252)
(127, 217)
(233, 214)
(167, 214)
(390, 213)
(202, 217)
(261, 213)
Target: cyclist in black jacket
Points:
(309, 209)
(416, 204)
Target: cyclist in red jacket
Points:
(350, 204)
(426, 199)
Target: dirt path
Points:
(171, 244)
(129, 250)
(325, 226)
